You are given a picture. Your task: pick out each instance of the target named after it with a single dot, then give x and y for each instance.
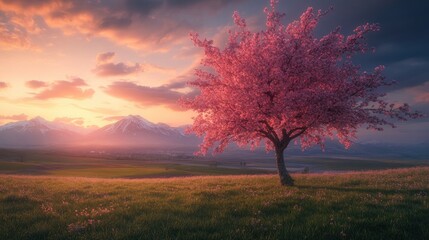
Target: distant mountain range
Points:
(138, 133)
(130, 131)
(36, 132)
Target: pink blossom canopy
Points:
(284, 83)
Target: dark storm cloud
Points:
(208, 3)
(145, 7)
(142, 7)
(401, 44)
(115, 22)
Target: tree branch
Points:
(268, 135)
(300, 131)
(271, 130)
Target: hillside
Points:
(389, 204)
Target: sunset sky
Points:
(91, 61)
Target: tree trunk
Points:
(285, 178)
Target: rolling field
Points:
(389, 204)
(80, 164)
(39, 162)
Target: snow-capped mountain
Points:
(134, 130)
(36, 132)
(133, 125)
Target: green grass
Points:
(7, 167)
(391, 204)
(43, 162)
(150, 171)
(80, 164)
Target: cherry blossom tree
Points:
(283, 84)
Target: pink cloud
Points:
(36, 84)
(106, 68)
(73, 89)
(422, 97)
(3, 85)
(117, 69)
(147, 96)
(421, 93)
(104, 57)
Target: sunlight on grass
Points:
(150, 171)
(109, 172)
(390, 204)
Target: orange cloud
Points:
(35, 84)
(136, 24)
(113, 118)
(101, 110)
(72, 89)
(13, 36)
(77, 121)
(3, 85)
(19, 117)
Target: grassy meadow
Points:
(54, 163)
(120, 165)
(388, 204)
